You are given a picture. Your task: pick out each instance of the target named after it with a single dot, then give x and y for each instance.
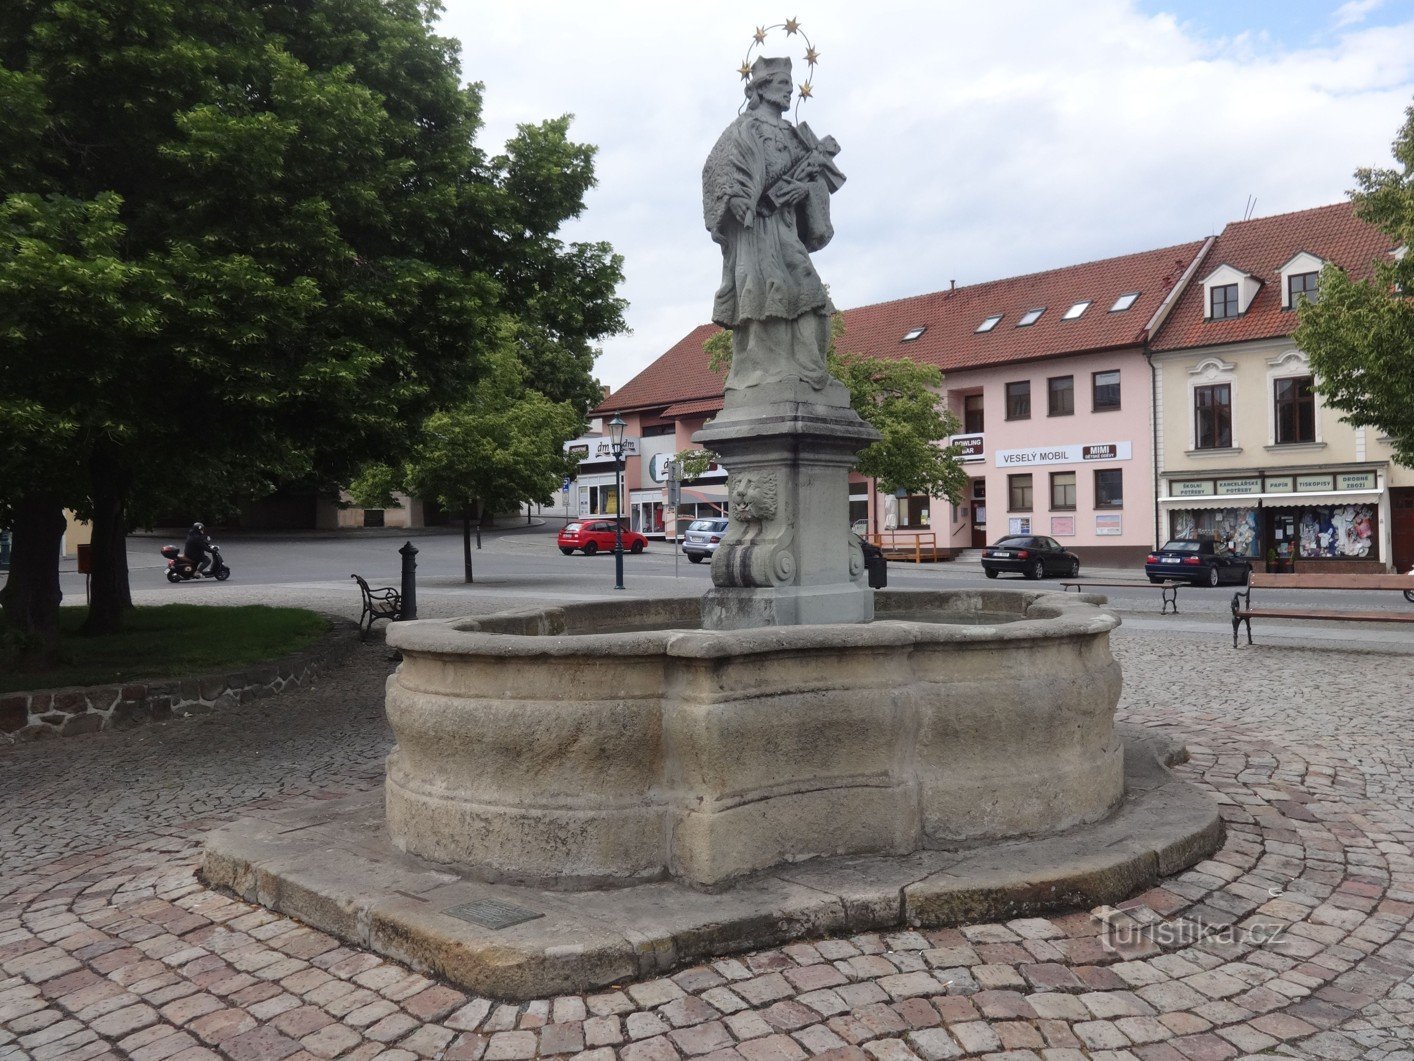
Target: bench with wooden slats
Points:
(1243, 612)
(1170, 596)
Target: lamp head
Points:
(616, 433)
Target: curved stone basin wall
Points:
(532, 749)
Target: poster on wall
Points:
(1109, 523)
(1062, 526)
(1019, 525)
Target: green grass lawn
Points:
(173, 640)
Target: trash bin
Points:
(878, 570)
(85, 559)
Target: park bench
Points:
(1243, 612)
(382, 603)
(1170, 589)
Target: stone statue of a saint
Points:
(766, 199)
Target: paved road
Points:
(1296, 939)
(522, 565)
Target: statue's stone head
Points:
(770, 81)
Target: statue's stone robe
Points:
(771, 297)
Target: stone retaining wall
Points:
(67, 712)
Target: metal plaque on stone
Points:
(492, 914)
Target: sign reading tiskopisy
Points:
(1076, 454)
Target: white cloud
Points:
(979, 141)
(1355, 11)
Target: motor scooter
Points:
(181, 569)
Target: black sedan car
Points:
(1201, 561)
(1032, 555)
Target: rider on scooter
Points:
(195, 547)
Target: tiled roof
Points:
(679, 375)
(950, 318)
(693, 408)
(1261, 247)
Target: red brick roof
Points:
(1260, 248)
(693, 408)
(950, 318)
(679, 375)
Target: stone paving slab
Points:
(1294, 939)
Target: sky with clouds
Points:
(979, 140)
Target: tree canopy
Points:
(249, 244)
(1360, 334)
(899, 398)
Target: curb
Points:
(68, 712)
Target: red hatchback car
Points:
(597, 535)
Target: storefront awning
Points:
(713, 492)
(1329, 497)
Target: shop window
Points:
(1109, 488)
(913, 512)
(1063, 491)
(1105, 390)
(1295, 409)
(1018, 493)
(1018, 400)
(972, 419)
(1060, 396)
(1212, 416)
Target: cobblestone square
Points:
(1295, 939)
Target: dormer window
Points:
(990, 323)
(1223, 302)
(1300, 278)
(1075, 310)
(1301, 288)
(1124, 302)
(1228, 292)
(1030, 317)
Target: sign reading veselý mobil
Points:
(1078, 454)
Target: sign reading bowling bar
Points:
(1095, 451)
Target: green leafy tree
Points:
(899, 398)
(1360, 334)
(246, 244)
(502, 446)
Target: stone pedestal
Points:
(788, 557)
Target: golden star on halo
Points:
(811, 55)
(744, 70)
(792, 25)
(760, 35)
(805, 90)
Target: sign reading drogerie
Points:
(1077, 454)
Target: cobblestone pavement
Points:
(1296, 939)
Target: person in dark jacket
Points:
(195, 547)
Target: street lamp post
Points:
(616, 442)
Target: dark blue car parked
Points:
(1201, 561)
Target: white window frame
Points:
(1303, 262)
(1207, 372)
(1292, 364)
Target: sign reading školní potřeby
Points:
(1089, 451)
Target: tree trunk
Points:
(31, 595)
(466, 544)
(110, 596)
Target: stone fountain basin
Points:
(548, 748)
